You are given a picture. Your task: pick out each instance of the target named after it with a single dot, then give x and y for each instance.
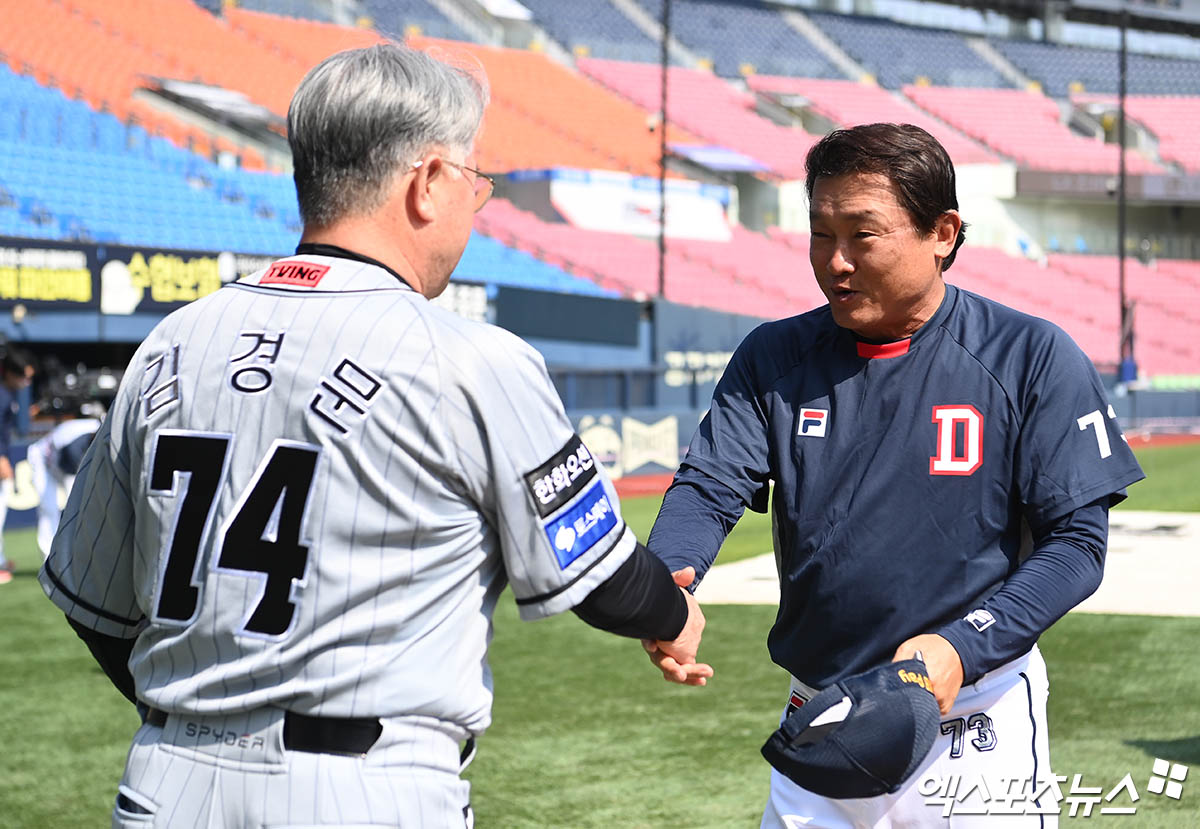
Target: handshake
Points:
(677, 658)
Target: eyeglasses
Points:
(483, 184)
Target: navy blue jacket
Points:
(912, 481)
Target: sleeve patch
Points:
(578, 529)
(562, 477)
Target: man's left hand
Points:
(941, 661)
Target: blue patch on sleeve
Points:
(577, 530)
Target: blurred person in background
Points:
(16, 373)
(54, 461)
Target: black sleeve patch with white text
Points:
(562, 477)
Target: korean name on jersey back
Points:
(563, 476)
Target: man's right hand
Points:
(677, 658)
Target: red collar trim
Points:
(885, 351)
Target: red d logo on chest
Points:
(959, 440)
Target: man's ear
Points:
(425, 180)
(946, 230)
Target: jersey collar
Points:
(898, 348)
(321, 249)
(882, 351)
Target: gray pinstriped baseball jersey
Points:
(310, 491)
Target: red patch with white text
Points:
(285, 272)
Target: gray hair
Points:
(361, 115)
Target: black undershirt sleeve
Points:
(640, 600)
(112, 654)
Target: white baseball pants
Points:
(996, 733)
(233, 771)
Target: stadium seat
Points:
(590, 28)
(1025, 126)
(743, 38)
(710, 108)
(1174, 120)
(899, 55)
(404, 18)
(1062, 69)
(847, 103)
(572, 121)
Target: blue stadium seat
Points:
(597, 27)
(898, 54)
(1057, 68)
(486, 260)
(393, 17)
(73, 173)
(733, 34)
(305, 9)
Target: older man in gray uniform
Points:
(288, 538)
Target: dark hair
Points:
(15, 361)
(912, 160)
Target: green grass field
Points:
(586, 734)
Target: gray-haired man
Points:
(288, 538)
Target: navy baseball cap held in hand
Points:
(862, 737)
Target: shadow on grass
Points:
(1185, 750)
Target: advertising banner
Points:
(113, 279)
(637, 443)
(45, 274)
(119, 280)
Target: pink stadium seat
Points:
(1173, 119)
(750, 275)
(1165, 288)
(1026, 126)
(768, 275)
(710, 108)
(1078, 293)
(847, 103)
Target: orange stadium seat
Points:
(561, 117)
(106, 48)
(306, 41)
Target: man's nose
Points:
(839, 263)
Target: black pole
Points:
(665, 62)
(1125, 348)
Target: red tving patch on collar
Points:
(285, 272)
